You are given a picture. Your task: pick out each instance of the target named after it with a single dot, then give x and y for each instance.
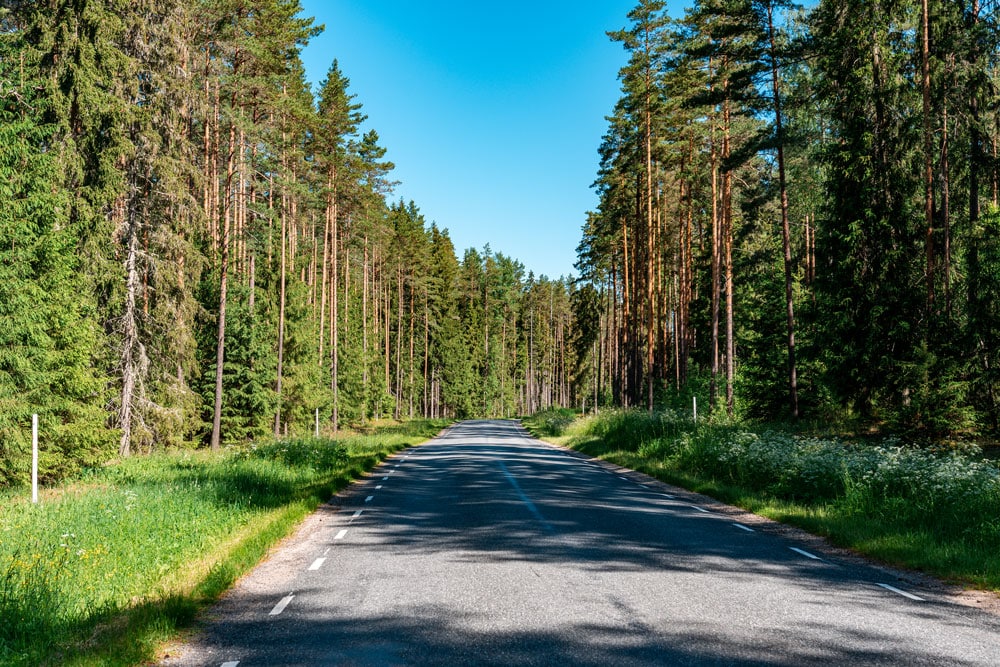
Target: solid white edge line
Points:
(369, 499)
(805, 553)
(903, 593)
(746, 528)
(316, 564)
(341, 534)
(280, 607)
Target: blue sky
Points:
(492, 112)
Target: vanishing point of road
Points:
(487, 547)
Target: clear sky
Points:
(491, 111)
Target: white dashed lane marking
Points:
(903, 593)
(280, 607)
(805, 553)
(701, 509)
(341, 534)
(316, 564)
(231, 663)
(742, 527)
(357, 514)
(369, 499)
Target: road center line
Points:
(701, 509)
(378, 488)
(805, 553)
(746, 528)
(527, 503)
(369, 499)
(318, 563)
(280, 607)
(357, 514)
(385, 478)
(341, 534)
(231, 663)
(903, 593)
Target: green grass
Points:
(938, 512)
(105, 569)
(552, 422)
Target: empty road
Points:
(485, 546)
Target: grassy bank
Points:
(106, 568)
(938, 512)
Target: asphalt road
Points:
(487, 547)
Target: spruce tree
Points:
(50, 330)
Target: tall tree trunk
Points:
(427, 352)
(132, 353)
(975, 134)
(399, 341)
(946, 208)
(928, 151)
(220, 345)
(410, 381)
(727, 237)
(281, 327)
(649, 296)
(334, 319)
(364, 331)
(713, 387)
(626, 343)
(786, 235)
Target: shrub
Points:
(950, 493)
(551, 422)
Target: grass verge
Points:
(104, 570)
(937, 512)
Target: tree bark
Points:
(928, 151)
(786, 236)
(281, 328)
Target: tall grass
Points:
(144, 542)
(550, 422)
(935, 510)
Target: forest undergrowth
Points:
(934, 510)
(110, 565)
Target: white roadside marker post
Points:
(317, 422)
(34, 458)
(694, 409)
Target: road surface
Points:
(485, 546)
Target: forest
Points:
(798, 216)
(797, 220)
(199, 249)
